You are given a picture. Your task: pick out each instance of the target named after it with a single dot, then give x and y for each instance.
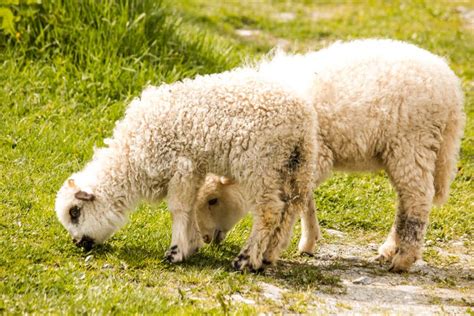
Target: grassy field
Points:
(66, 75)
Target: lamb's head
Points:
(86, 213)
(219, 206)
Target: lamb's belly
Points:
(355, 137)
(367, 165)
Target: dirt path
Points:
(366, 287)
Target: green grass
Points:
(66, 77)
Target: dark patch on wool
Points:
(295, 159)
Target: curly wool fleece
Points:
(238, 124)
(381, 104)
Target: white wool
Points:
(237, 124)
(381, 104)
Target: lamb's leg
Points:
(310, 231)
(282, 233)
(387, 250)
(266, 217)
(276, 210)
(411, 223)
(412, 176)
(186, 238)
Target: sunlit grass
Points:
(68, 79)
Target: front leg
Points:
(182, 191)
(185, 238)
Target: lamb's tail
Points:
(445, 168)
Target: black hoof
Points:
(242, 263)
(172, 254)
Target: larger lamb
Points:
(381, 104)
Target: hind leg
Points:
(310, 231)
(298, 198)
(412, 175)
(387, 250)
(276, 211)
(266, 217)
(282, 233)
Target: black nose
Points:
(86, 243)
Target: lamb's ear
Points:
(226, 181)
(84, 196)
(71, 183)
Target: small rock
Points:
(89, 258)
(320, 15)
(351, 258)
(239, 298)
(373, 246)
(468, 300)
(271, 291)
(467, 15)
(335, 233)
(421, 266)
(285, 16)
(107, 266)
(325, 257)
(362, 280)
(247, 33)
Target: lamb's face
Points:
(216, 209)
(88, 217)
(207, 211)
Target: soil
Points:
(366, 287)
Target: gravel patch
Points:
(467, 15)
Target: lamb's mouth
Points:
(86, 243)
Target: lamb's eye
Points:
(212, 202)
(74, 212)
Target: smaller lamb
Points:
(381, 104)
(221, 204)
(237, 124)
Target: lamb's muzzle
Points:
(85, 243)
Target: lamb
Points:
(237, 124)
(220, 204)
(381, 104)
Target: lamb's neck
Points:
(241, 199)
(115, 184)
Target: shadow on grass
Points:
(291, 274)
(297, 273)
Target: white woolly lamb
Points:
(220, 204)
(235, 124)
(381, 104)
